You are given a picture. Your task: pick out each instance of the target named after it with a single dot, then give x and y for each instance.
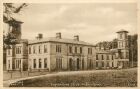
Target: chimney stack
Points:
(58, 35)
(76, 38)
(40, 36)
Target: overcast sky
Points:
(93, 22)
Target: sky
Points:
(93, 22)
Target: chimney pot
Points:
(58, 35)
(76, 38)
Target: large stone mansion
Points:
(58, 54)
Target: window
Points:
(9, 64)
(8, 51)
(80, 49)
(107, 57)
(83, 63)
(75, 49)
(45, 63)
(78, 63)
(122, 55)
(107, 65)
(17, 63)
(70, 64)
(102, 64)
(29, 50)
(34, 63)
(123, 43)
(39, 49)
(112, 57)
(39, 63)
(34, 49)
(112, 64)
(70, 49)
(96, 57)
(127, 55)
(18, 50)
(102, 57)
(89, 63)
(20, 63)
(120, 36)
(45, 48)
(96, 64)
(125, 36)
(58, 48)
(89, 50)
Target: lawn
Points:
(114, 78)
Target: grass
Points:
(119, 78)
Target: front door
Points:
(58, 64)
(78, 63)
(70, 64)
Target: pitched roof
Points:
(62, 40)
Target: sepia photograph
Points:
(70, 44)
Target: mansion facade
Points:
(58, 54)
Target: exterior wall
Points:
(59, 57)
(123, 54)
(105, 60)
(9, 63)
(10, 57)
(18, 54)
(58, 61)
(38, 55)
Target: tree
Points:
(9, 38)
(133, 49)
(9, 10)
